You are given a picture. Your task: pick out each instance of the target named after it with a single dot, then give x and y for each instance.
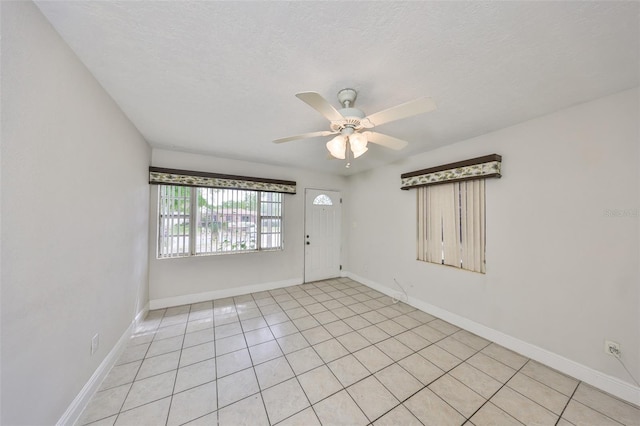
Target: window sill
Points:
(220, 254)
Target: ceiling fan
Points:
(353, 127)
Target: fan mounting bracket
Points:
(347, 97)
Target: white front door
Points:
(322, 234)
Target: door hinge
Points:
(341, 267)
(340, 200)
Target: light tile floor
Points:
(333, 352)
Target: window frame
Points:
(193, 214)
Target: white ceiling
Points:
(220, 77)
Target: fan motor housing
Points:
(352, 118)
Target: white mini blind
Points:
(451, 222)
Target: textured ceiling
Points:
(220, 77)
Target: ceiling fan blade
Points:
(398, 112)
(386, 140)
(305, 136)
(320, 104)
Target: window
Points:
(451, 210)
(322, 200)
(199, 221)
(451, 224)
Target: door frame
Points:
(304, 231)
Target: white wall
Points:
(185, 280)
(74, 220)
(561, 274)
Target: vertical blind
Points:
(174, 209)
(451, 221)
(197, 221)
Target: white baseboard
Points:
(607, 383)
(77, 406)
(141, 316)
(220, 294)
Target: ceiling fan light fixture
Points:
(358, 152)
(353, 126)
(337, 147)
(358, 143)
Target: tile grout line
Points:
(253, 368)
(137, 372)
(416, 352)
(567, 404)
(345, 388)
(218, 408)
(351, 353)
(175, 379)
(487, 400)
(324, 363)
(215, 368)
(539, 404)
(295, 296)
(295, 375)
(594, 409)
(134, 378)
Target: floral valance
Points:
(475, 168)
(162, 176)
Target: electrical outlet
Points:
(95, 343)
(612, 348)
